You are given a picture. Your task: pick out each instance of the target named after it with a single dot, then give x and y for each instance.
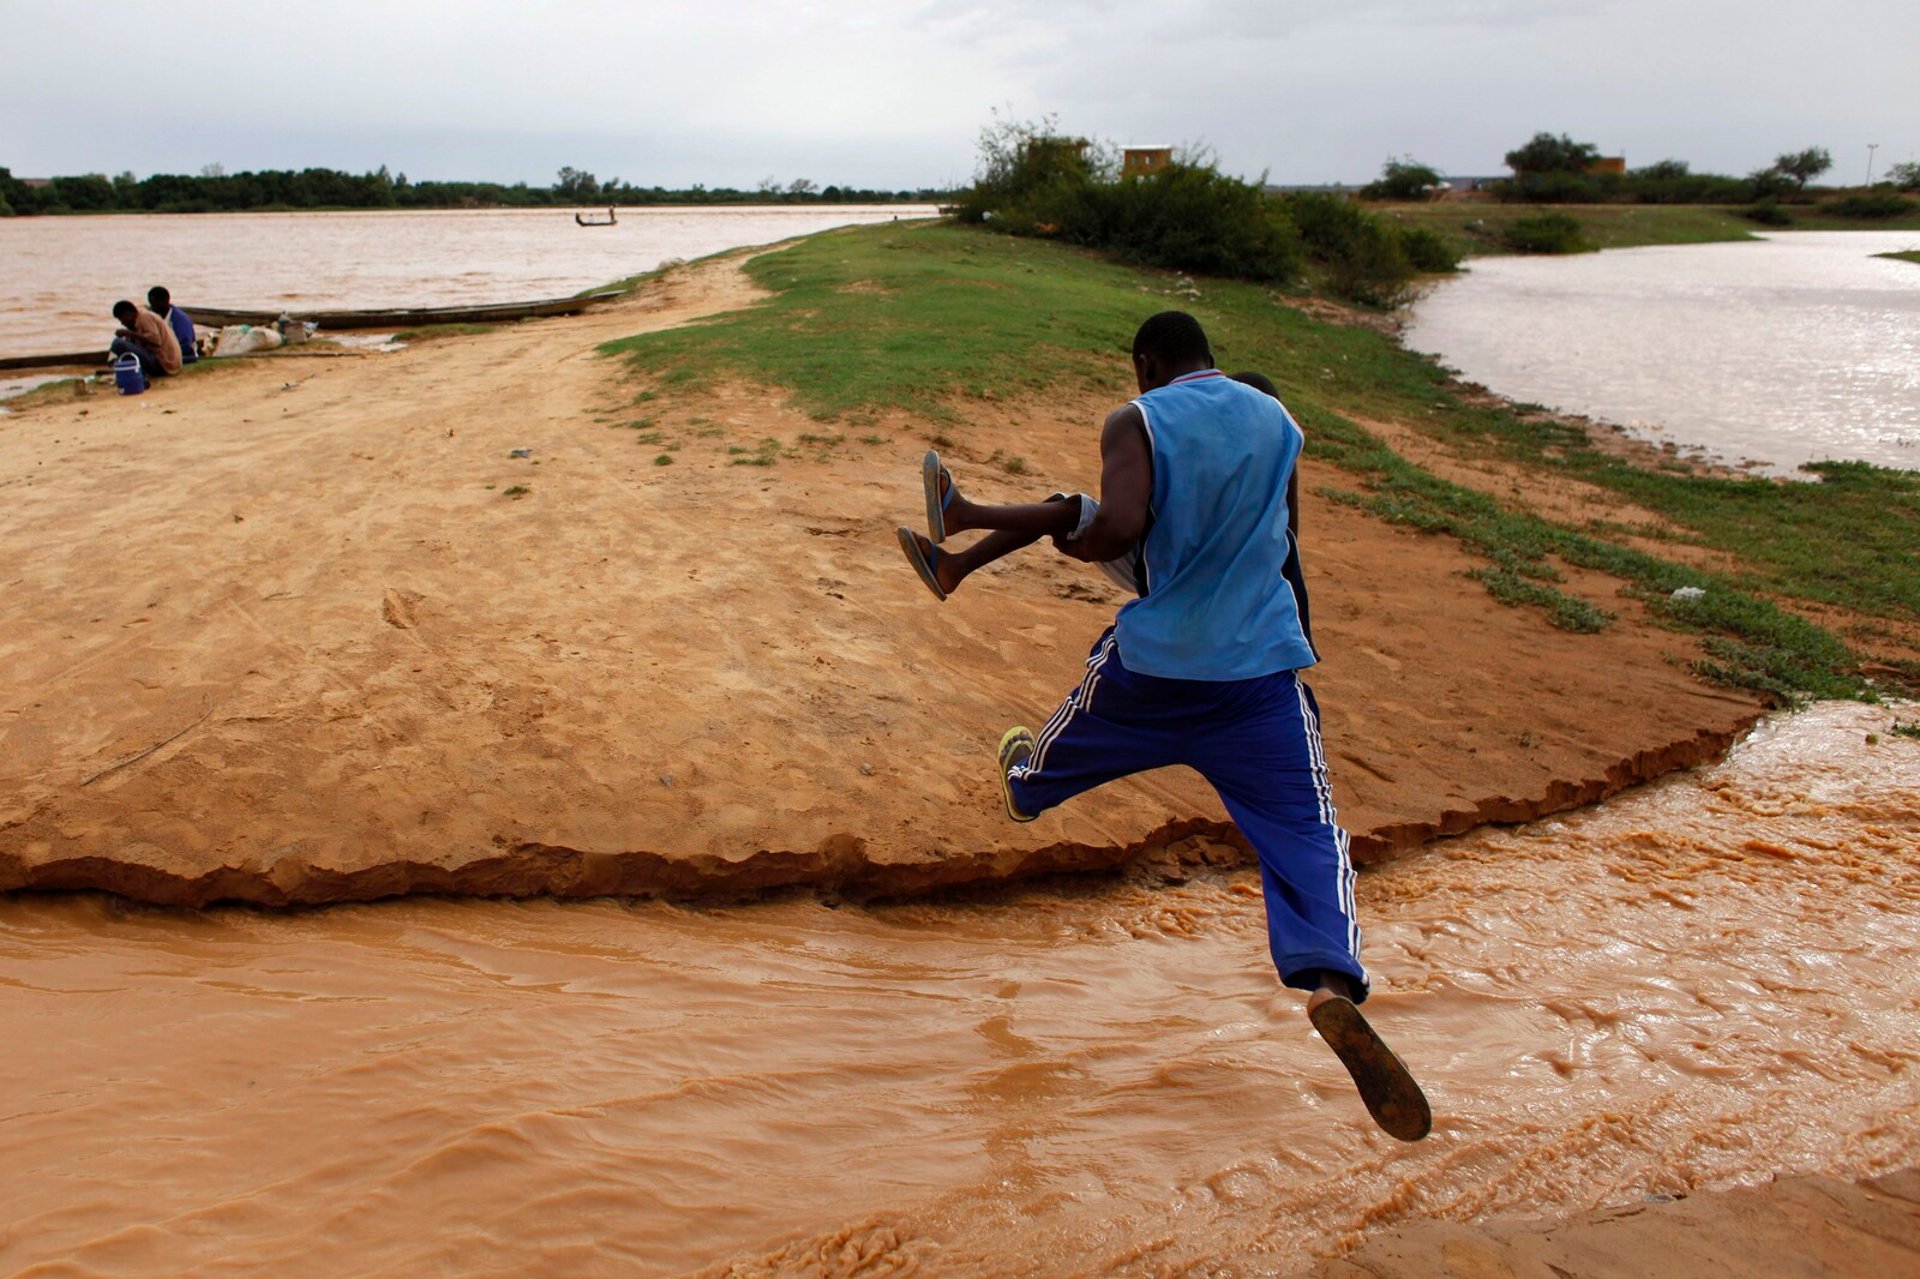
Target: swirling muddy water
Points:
(1803, 347)
(1695, 985)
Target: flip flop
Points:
(1389, 1091)
(922, 563)
(937, 502)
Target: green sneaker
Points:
(1016, 748)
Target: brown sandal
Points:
(1392, 1096)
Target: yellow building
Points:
(1144, 162)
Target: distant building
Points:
(1144, 162)
(36, 182)
(1614, 164)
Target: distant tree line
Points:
(213, 190)
(1556, 169)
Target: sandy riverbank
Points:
(284, 637)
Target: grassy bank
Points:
(1912, 255)
(940, 321)
(1476, 228)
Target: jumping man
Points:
(1204, 668)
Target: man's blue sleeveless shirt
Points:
(1218, 605)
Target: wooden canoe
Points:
(213, 317)
(96, 358)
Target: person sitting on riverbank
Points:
(161, 303)
(147, 338)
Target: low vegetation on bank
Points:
(944, 322)
(1187, 215)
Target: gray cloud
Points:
(679, 91)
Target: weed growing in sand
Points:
(1014, 466)
(664, 459)
(514, 490)
(1564, 611)
(873, 439)
(765, 455)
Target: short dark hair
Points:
(124, 308)
(158, 297)
(1258, 381)
(1175, 337)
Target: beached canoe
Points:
(214, 317)
(67, 360)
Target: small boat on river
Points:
(609, 220)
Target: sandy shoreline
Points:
(283, 637)
(286, 640)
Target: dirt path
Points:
(279, 633)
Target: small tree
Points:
(1545, 153)
(577, 185)
(1403, 179)
(1663, 171)
(1803, 167)
(1905, 176)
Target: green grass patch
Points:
(1904, 255)
(946, 321)
(1478, 228)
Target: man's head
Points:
(159, 300)
(1168, 345)
(125, 312)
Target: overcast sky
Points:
(675, 92)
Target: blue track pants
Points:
(1258, 742)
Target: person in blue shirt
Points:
(1203, 668)
(160, 302)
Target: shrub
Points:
(1187, 216)
(1905, 176)
(1545, 233)
(1876, 204)
(1405, 179)
(1544, 153)
(1363, 255)
(1767, 213)
(1428, 250)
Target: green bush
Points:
(1362, 253)
(1186, 216)
(1406, 179)
(1545, 233)
(1767, 213)
(1875, 204)
(1428, 250)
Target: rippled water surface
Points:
(63, 274)
(1694, 985)
(1800, 347)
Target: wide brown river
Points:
(1695, 985)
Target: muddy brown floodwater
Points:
(1695, 985)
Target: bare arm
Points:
(1126, 490)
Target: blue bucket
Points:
(127, 375)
